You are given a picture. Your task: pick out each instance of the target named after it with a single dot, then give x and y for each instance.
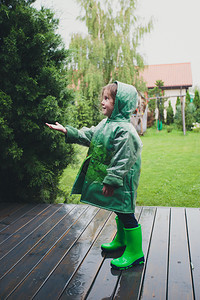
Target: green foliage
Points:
(109, 51)
(156, 92)
(187, 98)
(152, 102)
(68, 177)
(169, 128)
(178, 117)
(9, 150)
(159, 84)
(196, 127)
(197, 115)
(196, 100)
(192, 111)
(189, 116)
(160, 105)
(170, 114)
(83, 111)
(178, 101)
(33, 91)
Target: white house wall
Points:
(170, 94)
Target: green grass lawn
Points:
(69, 176)
(170, 174)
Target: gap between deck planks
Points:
(53, 251)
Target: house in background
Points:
(177, 79)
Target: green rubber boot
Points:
(119, 240)
(133, 254)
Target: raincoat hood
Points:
(126, 102)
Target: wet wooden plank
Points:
(12, 218)
(133, 277)
(22, 221)
(179, 278)
(47, 221)
(193, 224)
(106, 280)
(65, 270)
(20, 271)
(155, 278)
(38, 274)
(8, 209)
(63, 248)
(32, 233)
(80, 283)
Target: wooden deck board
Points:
(23, 217)
(19, 236)
(179, 277)
(53, 252)
(155, 278)
(61, 260)
(6, 210)
(193, 223)
(81, 282)
(36, 254)
(25, 239)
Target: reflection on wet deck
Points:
(53, 252)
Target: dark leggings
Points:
(128, 220)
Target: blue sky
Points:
(174, 39)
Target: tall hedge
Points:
(170, 114)
(32, 91)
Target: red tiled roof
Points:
(173, 75)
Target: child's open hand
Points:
(108, 190)
(57, 126)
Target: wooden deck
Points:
(53, 252)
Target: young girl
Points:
(109, 176)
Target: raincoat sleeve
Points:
(82, 137)
(127, 150)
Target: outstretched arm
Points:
(57, 127)
(74, 136)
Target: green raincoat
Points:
(114, 156)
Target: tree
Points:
(33, 91)
(189, 116)
(170, 114)
(178, 117)
(197, 115)
(109, 51)
(160, 101)
(189, 112)
(157, 92)
(187, 98)
(196, 100)
(178, 101)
